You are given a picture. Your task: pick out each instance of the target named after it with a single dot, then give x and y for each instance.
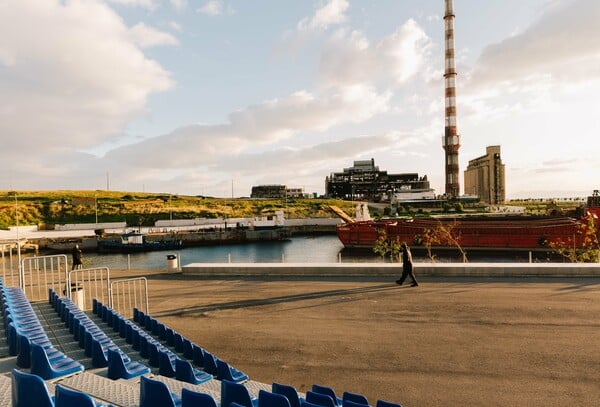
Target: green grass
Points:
(47, 208)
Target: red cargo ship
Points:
(483, 232)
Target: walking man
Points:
(407, 266)
(77, 257)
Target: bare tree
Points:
(443, 234)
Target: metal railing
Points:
(40, 273)
(128, 293)
(11, 258)
(86, 284)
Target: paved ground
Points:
(447, 342)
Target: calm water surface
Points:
(300, 249)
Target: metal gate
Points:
(128, 293)
(40, 273)
(86, 284)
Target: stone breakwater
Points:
(225, 270)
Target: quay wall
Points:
(227, 270)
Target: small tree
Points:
(443, 234)
(384, 246)
(583, 247)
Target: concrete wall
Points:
(392, 270)
(91, 226)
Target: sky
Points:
(211, 97)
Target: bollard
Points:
(339, 257)
(228, 257)
(129, 262)
(530, 257)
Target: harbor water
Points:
(299, 249)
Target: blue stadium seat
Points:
(166, 364)
(156, 394)
(191, 398)
(236, 393)
(185, 372)
(29, 390)
(197, 355)
(354, 398)
(320, 399)
(289, 392)
(268, 399)
(228, 372)
(328, 391)
(119, 369)
(46, 369)
(65, 397)
(210, 363)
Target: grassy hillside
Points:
(47, 208)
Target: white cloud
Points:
(331, 13)
(175, 26)
(73, 80)
(212, 8)
(147, 4)
(351, 58)
(255, 126)
(179, 5)
(146, 36)
(562, 47)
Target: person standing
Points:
(407, 266)
(77, 257)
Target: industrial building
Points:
(484, 177)
(276, 191)
(364, 181)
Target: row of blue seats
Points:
(154, 393)
(320, 396)
(29, 390)
(28, 340)
(96, 344)
(169, 364)
(190, 350)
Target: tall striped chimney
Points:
(451, 141)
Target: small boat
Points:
(133, 242)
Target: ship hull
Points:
(502, 233)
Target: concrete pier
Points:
(224, 270)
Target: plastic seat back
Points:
(354, 398)
(191, 398)
(327, 391)
(267, 399)
(227, 372)
(155, 394)
(210, 363)
(165, 366)
(65, 397)
(41, 366)
(320, 399)
(289, 392)
(234, 393)
(118, 369)
(29, 390)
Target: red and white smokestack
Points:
(451, 140)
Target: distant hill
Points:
(47, 208)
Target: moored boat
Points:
(133, 242)
(500, 232)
